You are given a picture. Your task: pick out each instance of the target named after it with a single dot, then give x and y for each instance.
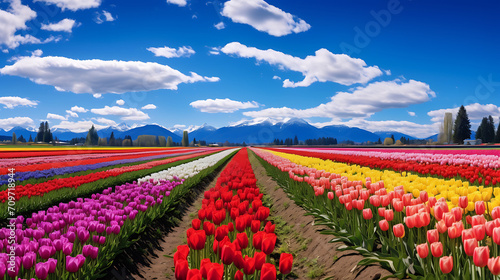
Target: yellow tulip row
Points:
(450, 189)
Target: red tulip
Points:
(268, 243)
(197, 240)
(239, 262)
(494, 265)
(469, 246)
(330, 195)
(424, 196)
(241, 223)
(410, 221)
(481, 256)
(453, 232)
(489, 226)
(249, 268)
(221, 232)
(227, 254)
(205, 265)
(367, 214)
(399, 230)
(381, 212)
(398, 205)
(181, 270)
(496, 235)
(495, 213)
(449, 219)
(389, 215)
(286, 262)
(202, 214)
(196, 224)
(262, 213)
(437, 249)
(480, 207)
(441, 227)
(479, 232)
(260, 259)
(194, 274)
(209, 228)
(446, 264)
(242, 240)
(255, 226)
(432, 236)
(257, 240)
(215, 272)
(238, 275)
(270, 227)
(457, 212)
(478, 220)
(423, 250)
(384, 225)
(463, 202)
(268, 272)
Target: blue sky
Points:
(377, 65)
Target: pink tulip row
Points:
(480, 160)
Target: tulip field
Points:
(419, 214)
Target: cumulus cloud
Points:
(103, 16)
(323, 66)
(475, 111)
(55, 117)
(65, 25)
(149, 107)
(9, 123)
(220, 25)
(100, 76)
(412, 114)
(73, 5)
(276, 78)
(214, 50)
(362, 102)
(180, 3)
(120, 102)
(172, 52)
(79, 109)
(79, 126)
(222, 105)
(124, 113)
(105, 121)
(264, 17)
(13, 101)
(12, 20)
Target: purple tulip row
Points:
(21, 176)
(68, 240)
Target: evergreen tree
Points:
(112, 140)
(479, 131)
(185, 139)
(55, 141)
(39, 135)
(194, 141)
(393, 140)
(170, 142)
(21, 139)
(379, 141)
(31, 139)
(92, 137)
(14, 138)
(296, 140)
(489, 131)
(497, 136)
(461, 129)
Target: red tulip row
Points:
(44, 166)
(40, 189)
(61, 152)
(474, 174)
(460, 244)
(231, 239)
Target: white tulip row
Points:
(187, 170)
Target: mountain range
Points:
(249, 132)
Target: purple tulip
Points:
(58, 244)
(71, 236)
(19, 250)
(38, 234)
(52, 265)
(100, 228)
(42, 270)
(29, 260)
(83, 235)
(102, 240)
(2, 269)
(14, 273)
(67, 248)
(72, 264)
(45, 252)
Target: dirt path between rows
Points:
(314, 256)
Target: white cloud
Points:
(13, 101)
(97, 95)
(214, 50)
(276, 78)
(37, 53)
(55, 117)
(475, 111)
(361, 102)
(180, 3)
(73, 5)
(412, 114)
(103, 16)
(406, 127)
(179, 126)
(105, 121)
(12, 20)
(79, 109)
(126, 114)
(120, 102)
(149, 107)
(264, 17)
(100, 76)
(222, 105)
(323, 66)
(220, 25)
(79, 126)
(65, 25)
(9, 123)
(172, 52)
(71, 114)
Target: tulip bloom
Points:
(268, 243)
(260, 259)
(196, 224)
(446, 264)
(463, 202)
(481, 256)
(389, 215)
(249, 268)
(479, 232)
(384, 225)
(437, 249)
(227, 254)
(494, 265)
(242, 240)
(286, 262)
(268, 272)
(255, 226)
(423, 250)
(479, 207)
(399, 230)
(367, 214)
(42, 270)
(469, 246)
(215, 272)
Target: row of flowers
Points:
(52, 169)
(450, 190)
(231, 238)
(479, 175)
(40, 189)
(79, 239)
(48, 152)
(398, 229)
(444, 157)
